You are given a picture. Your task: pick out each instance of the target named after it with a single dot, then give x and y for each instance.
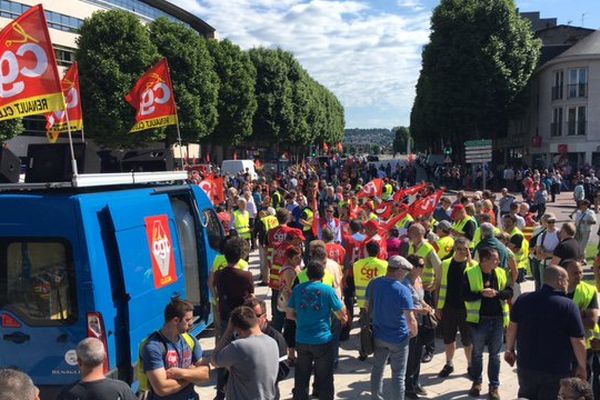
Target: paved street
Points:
(352, 376)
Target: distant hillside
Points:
(380, 137)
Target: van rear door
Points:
(148, 246)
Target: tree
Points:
(195, 82)
(11, 128)
(375, 149)
(480, 57)
(113, 50)
(236, 99)
(401, 137)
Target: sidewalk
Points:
(352, 378)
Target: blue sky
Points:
(368, 52)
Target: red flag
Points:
(411, 191)
(30, 83)
(384, 210)
(218, 190)
(388, 225)
(426, 205)
(56, 122)
(340, 147)
(235, 155)
(154, 99)
(315, 223)
(325, 147)
(372, 189)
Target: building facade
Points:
(64, 18)
(561, 123)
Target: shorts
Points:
(454, 320)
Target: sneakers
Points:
(447, 370)
(493, 394)
(475, 390)
(427, 357)
(420, 391)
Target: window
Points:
(557, 85)
(37, 281)
(557, 119)
(214, 229)
(12, 9)
(139, 7)
(64, 57)
(576, 120)
(578, 82)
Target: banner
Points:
(162, 252)
(372, 189)
(56, 122)
(29, 80)
(153, 98)
(411, 191)
(214, 188)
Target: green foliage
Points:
(401, 137)
(480, 57)
(114, 50)
(10, 128)
(195, 81)
(375, 149)
(236, 100)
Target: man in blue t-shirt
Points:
(311, 305)
(390, 306)
(172, 365)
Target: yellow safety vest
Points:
(328, 278)
(270, 222)
(460, 227)
(523, 254)
(445, 246)
(387, 191)
(444, 283)
(475, 277)
(220, 263)
(477, 235)
(404, 221)
(584, 293)
(365, 271)
(241, 223)
(428, 276)
(310, 217)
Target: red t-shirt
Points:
(278, 243)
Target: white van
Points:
(232, 167)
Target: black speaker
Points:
(52, 162)
(147, 160)
(10, 166)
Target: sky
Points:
(367, 52)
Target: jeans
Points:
(488, 332)
(537, 385)
(398, 355)
(593, 370)
(413, 364)
(278, 317)
(535, 271)
(348, 293)
(317, 358)
(336, 329)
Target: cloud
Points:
(415, 5)
(369, 57)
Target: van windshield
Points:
(37, 281)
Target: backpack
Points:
(140, 373)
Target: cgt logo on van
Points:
(161, 250)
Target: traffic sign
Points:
(478, 151)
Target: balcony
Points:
(577, 90)
(557, 92)
(576, 128)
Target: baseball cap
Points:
(399, 262)
(456, 209)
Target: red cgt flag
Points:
(56, 122)
(154, 99)
(30, 83)
(426, 205)
(411, 191)
(214, 188)
(372, 189)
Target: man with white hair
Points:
(93, 383)
(16, 385)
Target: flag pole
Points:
(82, 134)
(179, 143)
(73, 160)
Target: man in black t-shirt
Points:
(568, 248)
(93, 384)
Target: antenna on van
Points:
(73, 160)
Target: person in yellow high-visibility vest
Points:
(240, 220)
(585, 297)
(450, 308)
(445, 242)
(486, 291)
(364, 271)
(431, 274)
(464, 225)
(517, 244)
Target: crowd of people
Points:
(402, 262)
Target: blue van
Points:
(98, 260)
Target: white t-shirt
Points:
(551, 240)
